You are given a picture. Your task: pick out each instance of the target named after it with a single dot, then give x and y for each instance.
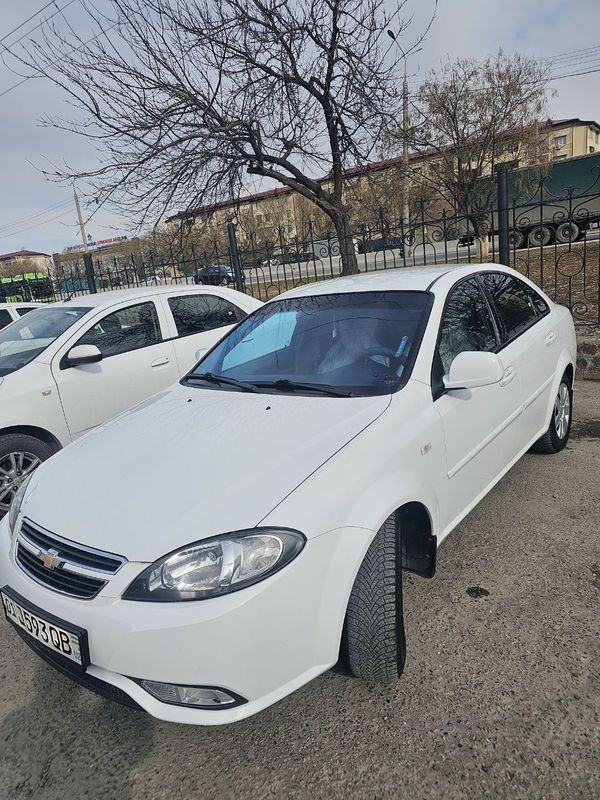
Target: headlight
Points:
(217, 566)
(15, 506)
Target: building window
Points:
(592, 149)
(559, 158)
(560, 141)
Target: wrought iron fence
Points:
(553, 237)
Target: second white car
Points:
(67, 367)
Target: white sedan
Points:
(67, 367)
(9, 312)
(208, 552)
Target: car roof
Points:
(387, 280)
(138, 293)
(22, 304)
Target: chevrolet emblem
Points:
(49, 559)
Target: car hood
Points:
(190, 463)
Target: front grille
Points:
(70, 551)
(73, 671)
(62, 565)
(59, 579)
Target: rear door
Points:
(482, 427)
(137, 362)
(198, 321)
(527, 328)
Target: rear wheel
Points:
(516, 239)
(540, 236)
(374, 643)
(20, 455)
(567, 232)
(557, 435)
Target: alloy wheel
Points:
(14, 468)
(562, 411)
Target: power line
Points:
(34, 216)
(38, 225)
(14, 30)
(103, 32)
(35, 27)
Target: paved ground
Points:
(500, 697)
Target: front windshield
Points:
(26, 338)
(361, 343)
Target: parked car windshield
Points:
(26, 338)
(360, 343)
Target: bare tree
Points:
(469, 116)
(188, 100)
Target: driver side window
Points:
(466, 325)
(125, 330)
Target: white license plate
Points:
(63, 642)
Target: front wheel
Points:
(557, 435)
(374, 644)
(20, 455)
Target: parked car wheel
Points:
(557, 435)
(374, 646)
(20, 455)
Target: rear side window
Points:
(513, 302)
(22, 310)
(124, 330)
(5, 318)
(196, 313)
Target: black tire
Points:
(540, 236)
(374, 644)
(552, 441)
(16, 444)
(567, 232)
(516, 239)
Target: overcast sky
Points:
(477, 28)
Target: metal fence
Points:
(552, 238)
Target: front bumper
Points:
(261, 643)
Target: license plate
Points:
(54, 634)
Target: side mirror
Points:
(472, 369)
(83, 354)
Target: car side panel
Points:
(33, 400)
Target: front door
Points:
(482, 429)
(136, 363)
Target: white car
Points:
(67, 367)
(9, 312)
(208, 552)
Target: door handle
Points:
(509, 374)
(158, 362)
(551, 337)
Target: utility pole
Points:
(405, 178)
(405, 134)
(80, 218)
(87, 258)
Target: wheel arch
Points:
(417, 539)
(32, 430)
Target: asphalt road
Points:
(500, 697)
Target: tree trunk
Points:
(346, 242)
(484, 246)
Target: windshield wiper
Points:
(210, 378)
(285, 384)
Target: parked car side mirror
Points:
(83, 354)
(472, 369)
